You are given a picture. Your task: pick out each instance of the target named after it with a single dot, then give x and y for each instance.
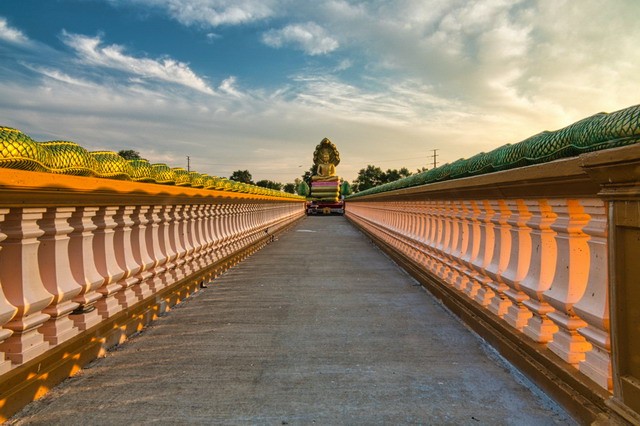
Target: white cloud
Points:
(91, 51)
(60, 76)
(210, 13)
(228, 86)
(10, 34)
(344, 64)
(308, 37)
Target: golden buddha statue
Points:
(326, 158)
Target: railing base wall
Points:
(584, 400)
(35, 378)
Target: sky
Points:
(257, 84)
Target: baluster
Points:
(178, 241)
(190, 238)
(430, 239)
(202, 234)
(415, 232)
(140, 252)
(143, 253)
(505, 253)
(156, 237)
(7, 310)
(235, 241)
(208, 233)
(570, 283)
(83, 267)
(153, 237)
(217, 231)
(104, 251)
(490, 254)
(593, 307)
(541, 274)
(238, 215)
(243, 223)
(445, 268)
(458, 241)
(486, 235)
(232, 219)
(422, 232)
(518, 315)
(56, 275)
(168, 225)
(454, 239)
(473, 247)
(185, 240)
(24, 289)
(126, 296)
(256, 221)
(224, 229)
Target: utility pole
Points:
(188, 164)
(435, 158)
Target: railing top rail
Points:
(20, 188)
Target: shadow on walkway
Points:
(318, 327)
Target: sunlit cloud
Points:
(308, 37)
(91, 51)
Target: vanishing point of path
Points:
(317, 328)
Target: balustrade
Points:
(67, 268)
(539, 264)
(538, 259)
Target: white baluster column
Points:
(23, 287)
(7, 310)
(55, 272)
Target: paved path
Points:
(318, 328)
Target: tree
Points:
(242, 176)
(368, 178)
(269, 184)
(129, 154)
(393, 175)
(374, 176)
(290, 188)
(307, 175)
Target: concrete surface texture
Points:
(320, 327)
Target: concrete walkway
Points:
(318, 328)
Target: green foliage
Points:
(242, 176)
(368, 178)
(373, 176)
(307, 175)
(269, 184)
(129, 154)
(394, 175)
(290, 188)
(345, 188)
(303, 189)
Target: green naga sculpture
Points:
(19, 151)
